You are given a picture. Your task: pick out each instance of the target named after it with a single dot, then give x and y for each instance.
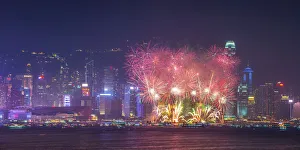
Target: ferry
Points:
(16, 126)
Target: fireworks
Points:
(166, 76)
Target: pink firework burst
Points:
(165, 74)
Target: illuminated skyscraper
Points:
(132, 103)
(28, 68)
(64, 76)
(86, 98)
(126, 102)
(242, 101)
(3, 93)
(282, 105)
(27, 89)
(230, 48)
(67, 101)
(265, 101)
(8, 85)
(40, 97)
(90, 76)
(244, 92)
(110, 95)
(231, 111)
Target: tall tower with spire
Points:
(230, 113)
(247, 78)
(245, 99)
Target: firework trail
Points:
(167, 76)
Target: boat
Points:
(16, 126)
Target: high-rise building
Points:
(282, 105)
(265, 101)
(17, 92)
(132, 103)
(67, 100)
(3, 93)
(231, 111)
(230, 48)
(110, 95)
(40, 96)
(8, 85)
(63, 76)
(126, 102)
(24, 84)
(244, 92)
(90, 76)
(86, 98)
(242, 101)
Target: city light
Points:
(131, 88)
(291, 101)
(251, 98)
(41, 77)
(84, 85)
(105, 94)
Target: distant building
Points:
(90, 76)
(242, 101)
(132, 104)
(111, 95)
(231, 111)
(265, 101)
(244, 92)
(40, 96)
(23, 83)
(3, 93)
(282, 105)
(230, 48)
(8, 88)
(86, 98)
(67, 100)
(19, 114)
(296, 110)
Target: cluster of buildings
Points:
(50, 84)
(93, 87)
(269, 101)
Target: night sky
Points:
(266, 32)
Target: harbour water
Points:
(154, 138)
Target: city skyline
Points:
(149, 74)
(265, 32)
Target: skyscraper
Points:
(242, 101)
(282, 105)
(40, 97)
(90, 76)
(3, 93)
(8, 85)
(231, 111)
(244, 92)
(230, 48)
(265, 101)
(25, 86)
(110, 95)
